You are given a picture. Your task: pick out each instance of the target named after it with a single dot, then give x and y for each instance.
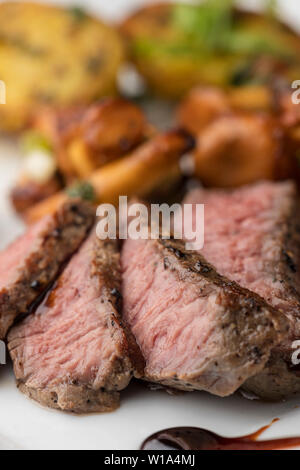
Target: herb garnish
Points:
(209, 24)
(211, 28)
(82, 190)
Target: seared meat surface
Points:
(196, 329)
(34, 260)
(252, 236)
(73, 353)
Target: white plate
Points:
(25, 425)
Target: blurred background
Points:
(92, 88)
(117, 9)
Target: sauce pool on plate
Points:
(191, 438)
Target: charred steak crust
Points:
(285, 265)
(58, 241)
(280, 379)
(241, 305)
(277, 380)
(84, 388)
(287, 268)
(253, 236)
(248, 328)
(107, 262)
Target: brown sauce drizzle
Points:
(189, 438)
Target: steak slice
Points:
(34, 260)
(72, 353)
(252, 235)
(196, 329)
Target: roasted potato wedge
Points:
(54, 56)
(148, 167)
(239, 149)
(176, 46)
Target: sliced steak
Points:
(252, 235)
(196, 329)
(34, 260)
(72, 353)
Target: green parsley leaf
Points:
(82, 190)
